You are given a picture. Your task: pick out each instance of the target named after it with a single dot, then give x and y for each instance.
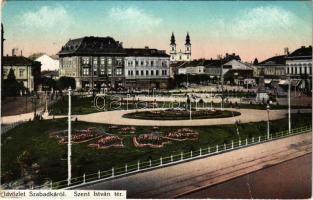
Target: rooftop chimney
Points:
(21, 53)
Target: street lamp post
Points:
(211, 99)
(289, 104)
(153, 97)
(268, 120)
(69, 149)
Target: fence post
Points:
(191, 154)
(259, 138)
(224, 146)
(200, 152)
(126, 168)
(239, 142)
(209, 150)
(161, 160)
(112, 171)
(150, 163)
(84, 178)
(99, 175)
(217, 148)
(171, 158)
(51, 188)
(232, 144)
(181, 156)
(252, 139)
(246, 141)
(138, 165)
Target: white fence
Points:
(7, 127)
(141, 166)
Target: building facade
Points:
(146, 69)
(299, 67)
(102, 62)
(22, 68)
(273, 68)
(176, 56)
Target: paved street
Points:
(176, 180)
(267, 183)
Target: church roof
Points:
(187, 40)
(91, 46)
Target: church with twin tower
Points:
(176, 56)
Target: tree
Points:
(65, 82)
(255, 62)
(36, 73)
(10, 86)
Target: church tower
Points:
(172, 48)
(188, 48)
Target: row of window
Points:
(150, 63)
(146, 72)
(103, 61)
(20, 74)
(87, 71)
(299, 70)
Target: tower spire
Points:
(187, 39)
(173, 39)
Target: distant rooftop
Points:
(16, 61)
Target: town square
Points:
(158, 99)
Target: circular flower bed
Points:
(172, 114)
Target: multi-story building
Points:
(299, 66)
(180, 56)
(94, 62)
(22, 68)
(272, 68)
(99, 62)
(146, 68)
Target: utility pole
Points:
(69, 148)
(268, 121)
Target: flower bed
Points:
(78, 136)
(148, 140)
(108, 141)
(182, 134)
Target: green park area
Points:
(86, 105)
(29, 146)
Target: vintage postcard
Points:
(156, 99)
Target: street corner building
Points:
(102, 62)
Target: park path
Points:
(247, 115)
(176, 180)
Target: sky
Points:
(251, 29)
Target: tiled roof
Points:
(145, 52)
(301, 52)
(276, 60)
(16, 61)
(91, 46)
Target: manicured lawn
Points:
(33, 138)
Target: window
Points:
(187, 48)
(118, 62)
(172, 48)
(152, 73)
(291, 70)
(187, 57)
(95, 71)
(109, 71)
(102, 61)
(85, 60)
(173, 57)
(136, 63)
(95, 61)
(118, 71)
(131, 72)
(305, 70)
(147, 72)
(296, 70)
(21, 73)
(128, 72)
(141, 63)
(157, 72)
(151, 63)
(137, 73)
(179, 57)
(110, 61)
(141, 73)
(288, 70)
(85, 71)
(310, 70)
(102, 71)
